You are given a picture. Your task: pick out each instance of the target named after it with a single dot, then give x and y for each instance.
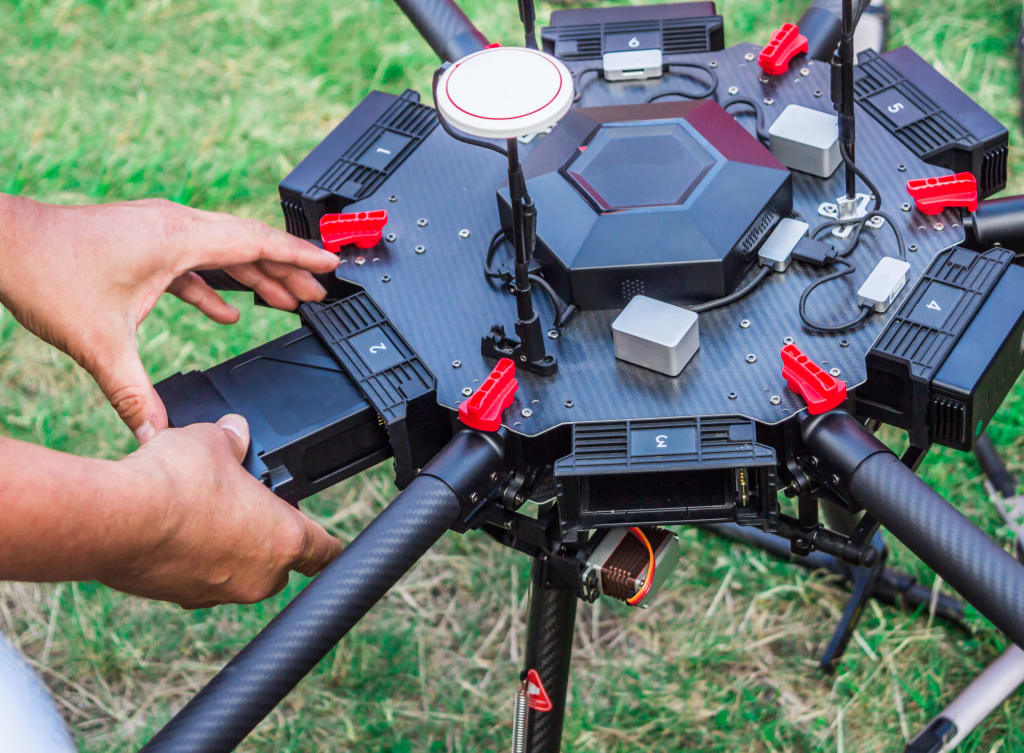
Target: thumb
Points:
(237, 429)
(126, 384)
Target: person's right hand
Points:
(225, 537)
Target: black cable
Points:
(578, 77)
(873, 190)
(762, 132)
(452, 132)
(556, 302)
(734, 296)
(562, 312)
(709, 90)
(831, 328)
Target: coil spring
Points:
(520, 720)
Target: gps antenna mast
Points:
(842, 96)
(528, 15)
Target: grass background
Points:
(211, 104)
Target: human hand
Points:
(224, 537)
(83, 279)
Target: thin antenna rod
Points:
(844, 106)
(528, 15)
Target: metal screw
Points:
(751, 358)
(456, 364)
(467, 391)
(392, 198)
(748, 57)
(474, 497)
(385, 278)
(912, 247)
(788, 341)
(713, 64)
(421, 249)
(390, 237)
(422, 222)
(834, 371)
(835, 479)
(844, 343)
(769, 101)
(938, 226)
(494, 476)
(464, 233)
(818, 92)
(734, 90)
(553, 334)
(360, 260)
(569, 403)
(745, 324)
(732, 395)
(763, 79)
(775, 400)
(805, 71)
(526, 412)
(905, 206)
(901, 167)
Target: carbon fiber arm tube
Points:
(927, 524)
(445, 27)
(266, 670)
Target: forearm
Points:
(71, 518)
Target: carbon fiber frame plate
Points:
(438, 298)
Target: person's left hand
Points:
(84, 278)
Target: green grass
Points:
(210, 104)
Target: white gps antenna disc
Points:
(505, 92)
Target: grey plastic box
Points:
(806, 140)
(656, 335)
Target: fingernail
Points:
(321, 290)
(145, 433)
(335, 259)
(235, 424)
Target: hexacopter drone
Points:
(622, 279)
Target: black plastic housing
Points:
(952, 351)
(683, 470)
(931, 116)
(309, 423)
(643, 199)
(373, 141)
(585, 34)
(388, 373)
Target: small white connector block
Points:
(806, 140)
(884, 283)
(777, 250)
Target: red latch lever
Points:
(483, 409)
(932, 195)
(821, 390)
(786, 43)
(363, 229)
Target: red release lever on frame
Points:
(786, 43)
(821, 390)
(483, 409)
(536, 696)
(932, 195)
(363, 229)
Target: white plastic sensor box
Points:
(656, 335)
(806, 140)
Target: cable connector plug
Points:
(814, 252)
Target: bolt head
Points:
(464, 233)
(775, 400)
(467, 391)
(745, 324)
(751, 358)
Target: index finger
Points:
(227, 240)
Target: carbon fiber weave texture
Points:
(246, 690)
(549, 651)
(967, 559)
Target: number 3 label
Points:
(661, 441)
